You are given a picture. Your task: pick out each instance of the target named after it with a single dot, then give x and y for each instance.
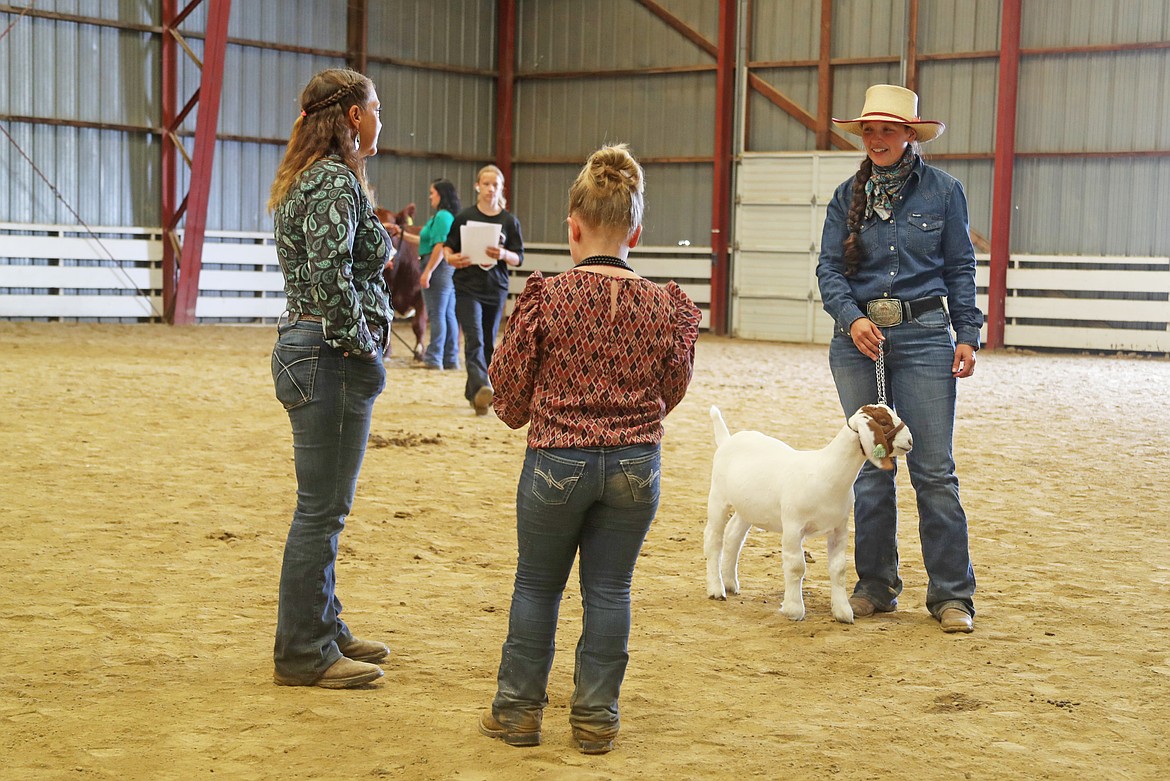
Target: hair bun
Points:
(614, 167)
(608, 190)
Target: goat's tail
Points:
(721, 432)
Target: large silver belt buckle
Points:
(884, 312)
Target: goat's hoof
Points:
(720, 597)
(842, 610)
(793, 614)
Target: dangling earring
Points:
(357, 142)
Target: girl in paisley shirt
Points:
(327, 364)
(593, 359)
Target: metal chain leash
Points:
(881, 374)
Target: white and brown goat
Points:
(800, 493)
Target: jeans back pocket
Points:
(294, 372)
(553, 477)
(644, 475)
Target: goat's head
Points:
(882, 434)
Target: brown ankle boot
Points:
(526, 735)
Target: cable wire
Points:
(118, 267)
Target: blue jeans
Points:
(330, 401)
(599, 501)
(480, 320)
(443, 349)
(922, 390)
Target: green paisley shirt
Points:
(332, 249)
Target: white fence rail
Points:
(1093, 303)
(62, 272)
(59, 272)
(55, 272)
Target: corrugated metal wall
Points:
(260, 97)
(667, 116)
(75, 71)
(1094, 102)
(96, 74)
(959, 92)
(432, 112)
(1107, 101)
(442, 120)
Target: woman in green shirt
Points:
(438, 289)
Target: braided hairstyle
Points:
(854, 254)
(608, 193)
(323, 128)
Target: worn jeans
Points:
(921, 388)
(599, 502)
(480, 320)
(443, 348)
(330, 401)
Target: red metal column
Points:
(825, 78)
(505, 87)
(724, 153)
(1005, 152)
(181, 280)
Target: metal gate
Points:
(780, 204)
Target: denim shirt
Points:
(924, 249)
(332, 249)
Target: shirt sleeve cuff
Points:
(968, 335)
(851, 314)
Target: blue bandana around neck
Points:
(886, 182)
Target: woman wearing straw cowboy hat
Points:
(895, 248)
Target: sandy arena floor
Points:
(149, 487)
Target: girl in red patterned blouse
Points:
(593, 360)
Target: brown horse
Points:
(403, 272)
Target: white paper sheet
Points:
(475, 237)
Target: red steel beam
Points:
(1005, 152)
(506, 88)
(825, 78)
(724, 154)
(210, 88)
(682, 28)
(796, 112)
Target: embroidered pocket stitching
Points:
(553, 482)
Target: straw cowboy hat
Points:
(887, 103)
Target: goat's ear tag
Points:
(879, 451)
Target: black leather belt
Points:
(887, 312)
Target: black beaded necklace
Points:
(605, 260)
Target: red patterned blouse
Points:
(594, 360)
